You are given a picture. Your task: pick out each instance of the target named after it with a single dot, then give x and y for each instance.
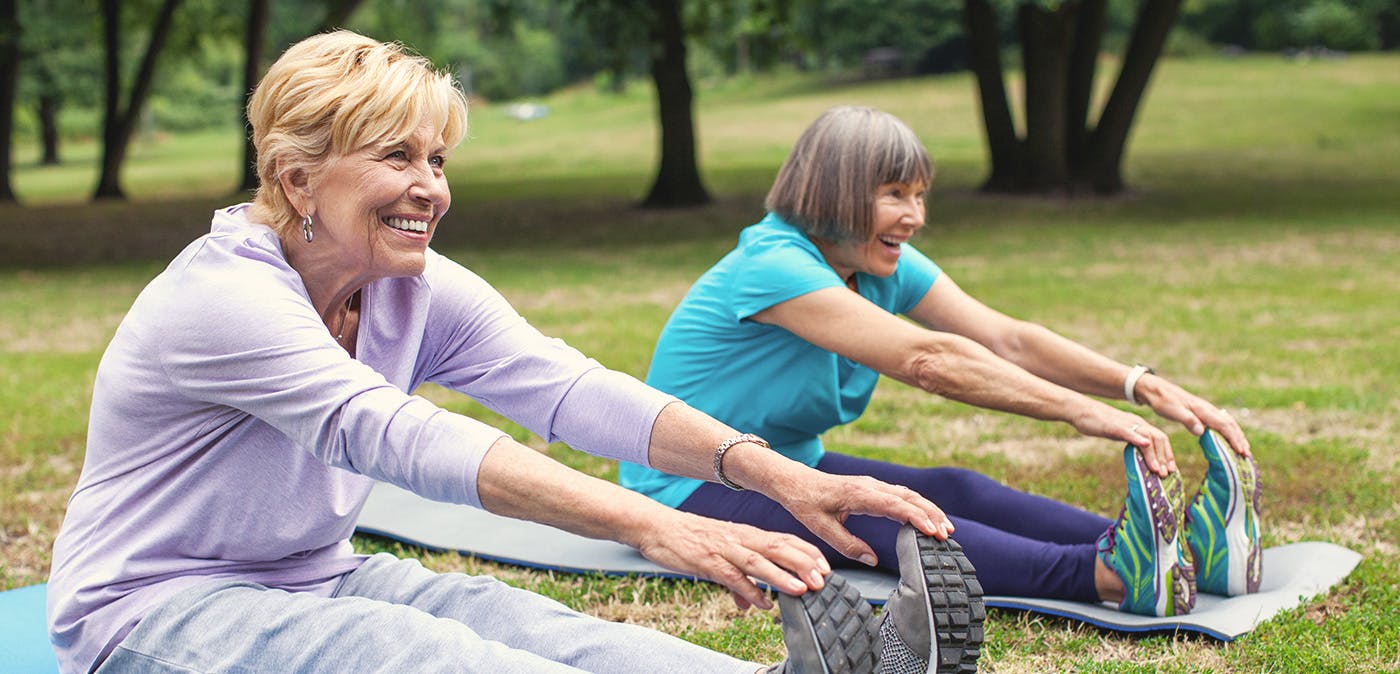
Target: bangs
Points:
(902, 159)
(394, 108)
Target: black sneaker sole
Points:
(827, 631)
(956, 598)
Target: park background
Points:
(1252, 254)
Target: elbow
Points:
(1013, 343)
(931, 369)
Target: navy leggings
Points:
(1022, 545)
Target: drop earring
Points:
(306, 227)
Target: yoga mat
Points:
(24, 633)
(1293, 573)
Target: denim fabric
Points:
(393, 615)
(1022, 545)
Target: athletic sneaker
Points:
(932, 623)
(1144, 546)
(933, 620)
(827, 631)
(1222, 524)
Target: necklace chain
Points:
(344, 318)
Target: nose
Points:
(429, 185)
(915, 210)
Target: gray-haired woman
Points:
(806, 309)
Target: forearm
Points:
(1063, 361)
(684, 440)
(517, 481)
(960, 369)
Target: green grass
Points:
(1256, 261)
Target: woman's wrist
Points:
(754, 466)
(1130, 383)
(723, 449)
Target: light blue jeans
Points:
(393, 615)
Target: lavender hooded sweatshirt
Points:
(230, 437)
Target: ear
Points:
(296, 184)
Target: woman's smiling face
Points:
(381, 204)
(899, 213)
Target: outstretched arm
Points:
(684, 440)
(1065, 362)
(517, 481)
(955, 367)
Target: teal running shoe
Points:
(1144, 546)
(1222, 524)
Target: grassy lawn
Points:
(1256, 261)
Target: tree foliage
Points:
(65, 71)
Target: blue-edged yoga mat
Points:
(24, 635)
(1292, 573)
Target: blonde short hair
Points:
(335, 93)
(827, 186)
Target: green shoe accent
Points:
(1222, 524)
(1142, 546)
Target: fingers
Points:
(734, 555)
(1196, 414)
(1221, 422)
(837, 536)
(783, 561)
(845, 495)
(1156, 448)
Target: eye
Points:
(437, 161)
(396, 154)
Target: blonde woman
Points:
(260, 385)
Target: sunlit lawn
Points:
(1257, 261)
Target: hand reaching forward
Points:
(733, 555)
(1191, 411)
(823, 501)
(1106, 421)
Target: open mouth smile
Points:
(407, 225)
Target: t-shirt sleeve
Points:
(916, 274)
(485, 349)
(773, 274)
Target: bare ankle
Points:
(1108, 584)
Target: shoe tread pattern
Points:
(840, 617)
(958, 609)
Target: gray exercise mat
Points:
(1293, 573)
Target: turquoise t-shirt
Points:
(761, 378)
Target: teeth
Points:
(406, 224)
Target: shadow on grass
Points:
(601, 211)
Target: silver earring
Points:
(306, 227)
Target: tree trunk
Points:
(1104, 155)
(1046, 39)
(678, 177)
(119, 122)
(253, 47)
(1063, 149)
(984, 57)
(1089, 25)
(9, 81)
(49, 103)
(112, 147)
(255, 43)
